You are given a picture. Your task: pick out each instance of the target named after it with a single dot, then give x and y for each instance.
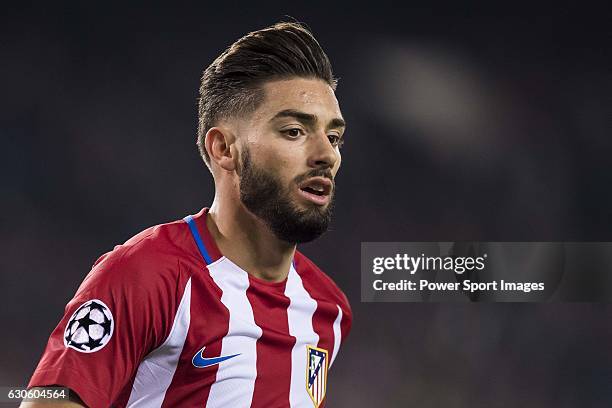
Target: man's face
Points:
(290, 156)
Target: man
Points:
(219, 309)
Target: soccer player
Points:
(220, 309)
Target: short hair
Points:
(232, 84)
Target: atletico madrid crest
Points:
(316, 374)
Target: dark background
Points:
(465, 123)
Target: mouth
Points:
(317, 190)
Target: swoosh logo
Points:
(200, 361)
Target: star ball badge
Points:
(316, 373)
(90, 327)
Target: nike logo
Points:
(200, 361)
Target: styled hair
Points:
(232, 84)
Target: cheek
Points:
(285, 169)
(281, 154)
(277, 162)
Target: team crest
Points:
(90, 327)
(316, 374)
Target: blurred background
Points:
(465, 123)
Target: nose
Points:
(322, 153)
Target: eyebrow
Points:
(307, 118)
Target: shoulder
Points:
(153, 257)
(319, 282)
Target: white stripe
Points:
(300, 312)
(337, 336)
(235, 380)
(156, 370)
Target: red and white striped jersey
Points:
(166, 320)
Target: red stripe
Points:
(345, 326)
(321, 385)
(124, 395)
(317, 387)
(209, 323)
(275, 344)
(318, 393)
(324, 390)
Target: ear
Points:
(219, 142)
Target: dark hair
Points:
(232, 84)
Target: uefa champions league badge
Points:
(90, 327)
(316, 374)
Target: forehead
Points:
(308, 95)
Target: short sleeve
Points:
(120, 313)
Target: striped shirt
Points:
(166, 320)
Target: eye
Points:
(335, 140)
(293, 133)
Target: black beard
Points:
(263, 195)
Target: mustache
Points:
(316, 173)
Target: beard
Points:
(264, 195)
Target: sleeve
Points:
(121, 312)
(347, 317)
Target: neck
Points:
(247, 241)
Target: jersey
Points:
(166, 320)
